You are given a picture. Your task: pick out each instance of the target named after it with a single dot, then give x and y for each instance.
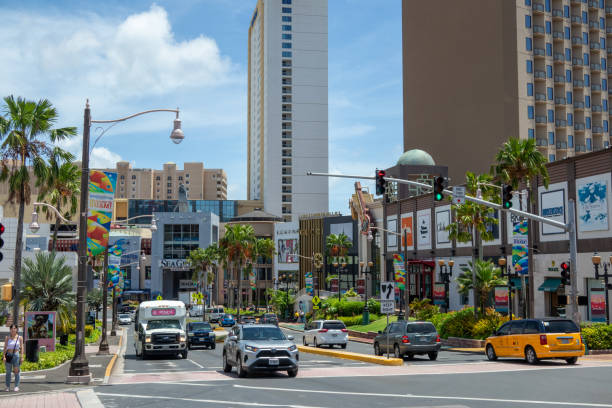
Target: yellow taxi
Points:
(536, 339)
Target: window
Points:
(547, 7)
(286, 45)
(549, 49)
(585, 17)
(568, 97)
(286, 28)
(588, 122)
(570, 119)
(589, 144)
(603, 63)
(122, 177)
(549, 71)
(529, 89)
(529, 66)
(531, 327)
(605, 126)
(528, 2)
(587, 101)
(528, 21)
(602, 43)
(601, 4)
(551, 157)
(586, 59)
(602, 23)
(157, 178)
(566, 11)
(568, 75)
(169, 178)
(549, 92)
(548, 27)
(551, 138)
(286, 36)
(567, 33)
(169, 184)
(530, 112)
(528, 44)
(568, 54)
(587, 80)
(504, 330)
(530, 133)
(286, 9)
(585, 38)
(287, 19)
(570, 140)
(187, 175)
(133, 177)
(516, 327)
(286, 1)
(605, 104)
(551, 116)
(286, 54)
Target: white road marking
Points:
(95, 365)
(221, 402)
(33, 377)
(413, 396)
(196, 364)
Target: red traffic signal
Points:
(380, 181)
(564, 265)
(1, 228)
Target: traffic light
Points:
(439, 184)
(7, 292)
(565, 273)
(380, 182)
(507, 196)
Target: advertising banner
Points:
(361, 286)
(442, 222)
(520, 249)
(552, 206)
(101, 195)
(423, 228)
(501, 299)
(334, 285)
(308, 280)
(41, 326)
(252, 278)
(439, 294)
(598, 305)
(406, 231)
(287, 248)
(400, 271)
(592, 194)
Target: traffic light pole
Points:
(570, 227)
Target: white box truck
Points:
(160, 328)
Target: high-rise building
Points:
(287, 97)
(477, 72)
(151, 184)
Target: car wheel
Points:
(377, 350)
(184, 354)
(240, 370)
(227, 367)
(410, 356)
(343, 345)
(304, 341)
(188, 346)
(316, 344)
(433, 355)
(530, 355)
(491, 353)
(136, 351)
(213, 346)
(396, 352)
(143, 354)
(571, 360)
(292, 373)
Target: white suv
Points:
(328, 332)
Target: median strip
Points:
(347, 355)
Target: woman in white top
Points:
(12, 356)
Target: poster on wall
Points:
(439, 294)
(592, 197)
(423, 229)
(406, 231)
(287, 250)
(442, 222)
(361, 286)
(552, 205)
(598, 305)
(400, 271)
(391, 226)
(520, 248)
(501, 299)
(41, 326)
(101, 197)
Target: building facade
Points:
(529, 69)
(288, 106)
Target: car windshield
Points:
(334, 325)
(163, 324)
(262, 333)
(219, 310)
(124, 316)
(560, 326)
(228, 317)
(199, 326)
(420, 328)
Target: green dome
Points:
(416, 157)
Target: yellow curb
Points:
(109, 368)
(347, 355)
(220, 338)
(467, 349)
(219, 329)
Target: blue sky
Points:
(132, 56)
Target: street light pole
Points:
(446, 271)
(596, 262)
(103, 349)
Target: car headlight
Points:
(250, 348)
(190, 333)
(292, 348)
(183, 338)
(148, 339)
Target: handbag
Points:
(9, 356)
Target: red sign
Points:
(361, 286)
(334, 285)
(163, 312)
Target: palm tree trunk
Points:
(18, 251)
(54, 240)
(475, 246)
(239, 273)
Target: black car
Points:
(200, 334)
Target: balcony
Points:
(609, 70)
(540, 97)
(538, 29)
(593, 4)
(595, 66)
(580, 148)
(286, 190)
(596, 87)
(577, 61)
(286, 81)
(557, 13)
(558, 35)
(560, 101)
(541, 142)
(540, 74)
(578, 126)
(596, 108)
(539, 52)
(286, 63)
(286, 126)
(559, 79)
(286, 109)
(597, 130)
(561, 145)
(578, 83)
(286, 98)
(286, 135)
(595, 46)
(560, 123)
(286, 172)
(593, 25)
(609, 30)
(609, 11)
(540, 119)
(559, 57)
(576, 20)
(286, 154)
(538, 7)
(579, 105)
(576, 40)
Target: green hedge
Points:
(356, 320)
(49, 359)
(597, 336)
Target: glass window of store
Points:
(180, 239)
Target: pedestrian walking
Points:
(12, 357)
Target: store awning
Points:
(516, 283)
(550, 285)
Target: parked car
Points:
(125, 318)
(252, 348)
(247, 320)
(200, 334)
(269, 318)
(408, 339)
(328, 332)
(227, 320)
(214, 314)
(536, 339)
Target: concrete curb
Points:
(347, 355)
(89, 399)
(465, 350)
(111, 364)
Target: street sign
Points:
(159, 297)
(387, 297)
(458, 195)
(387, 306)
(316, 300)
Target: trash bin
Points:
(31, 349)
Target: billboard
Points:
(287, 250)
(423, 228)
(443, 216)
(407, 231)
(592, 203)
(552, 205)
(101, 195)
(41, 326)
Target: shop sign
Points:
(175, 264)
(186, 284)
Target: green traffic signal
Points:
(508, 204)
(439, 197)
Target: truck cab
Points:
(160, 328)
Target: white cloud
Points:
(350, 132)
(102, 158)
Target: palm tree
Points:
(487, 278)
(338, 245)
(203, 260)
(61, 187)
(27, 132)
(47, 286)
(473, 221)
(264, 248)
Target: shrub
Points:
(597, 336)
(488, 324)
(458, 324)
(439, 319)
(88, 330)
(374, 306)
(423, 309)
(356, 320)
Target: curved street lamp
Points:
(34, 225)
(153, 226)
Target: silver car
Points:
(408, 339)
(125, 318)
(259, 348)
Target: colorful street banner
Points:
(101, 195)
(501, 298)
(252, 278)
(439, 294)
(598, 305)
(400, 271)
(334, 285)
(361, 286)
(308, 280)
(520, 250)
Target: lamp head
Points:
(370, 236)
(143, 257)
(596, 259)
(361, 263)
(441, 262)
(34, 226)
(335, 264)
(153, 225)
(451, 263)
(501, 261)
(370, 264)
(177, 134)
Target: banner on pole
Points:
(520, 250)
(400, 271)
(308, 279)
(439, 294)
(501, 298)
(101, 195)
